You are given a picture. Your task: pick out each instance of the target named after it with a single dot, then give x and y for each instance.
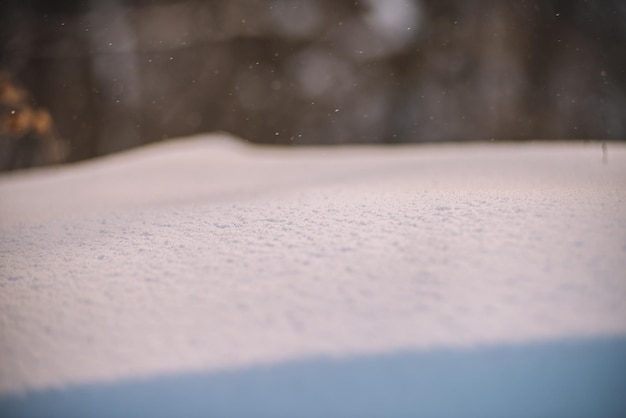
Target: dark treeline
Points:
(116, 74)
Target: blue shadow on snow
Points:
(571, 378)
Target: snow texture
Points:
(207, 277)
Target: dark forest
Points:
(113, 75)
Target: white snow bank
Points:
(207, 255)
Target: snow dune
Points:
(207, 277)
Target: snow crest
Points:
(209, 254)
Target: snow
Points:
(208, 277)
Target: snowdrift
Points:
(208, 277)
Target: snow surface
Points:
(208, 277)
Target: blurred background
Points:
(83, 78)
